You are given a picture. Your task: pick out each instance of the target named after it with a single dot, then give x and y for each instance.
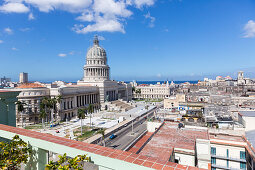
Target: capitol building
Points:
(94, 88)
(97, 73)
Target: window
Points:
(213, 150)
(242, 165)
(242, 155)
(227, 163)
(227, 153)
(213, 160)
(213, 168)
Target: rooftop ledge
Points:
(105, 158)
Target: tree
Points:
(51, 104)
(14, 153)
(146, 107)
(81, 115)
(138, 91)
(42, 115)
(44, 105)
(58, 99)
(90, 111)
(102, 132)
(65, 163)
(133, 89)
(21, 108)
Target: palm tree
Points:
(102, 132)
(21, 108)
(44, 104)
(58, 99)
(51, 104)
(43, 115)
(81, 115)
(90, 111)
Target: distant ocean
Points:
(155, 82)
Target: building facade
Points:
(23, 77)
(156, 91)
(7, 107)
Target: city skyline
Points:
(144, 40)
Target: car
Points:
(113, 136)
(57, 131)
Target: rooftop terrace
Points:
(170, 138)
(105, 158)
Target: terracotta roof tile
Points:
(29, 85)
(100, 150)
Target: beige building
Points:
(152, 91)
(73, 97)
(174, 101)
(23, 77)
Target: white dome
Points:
(96, 52)
(96, 68)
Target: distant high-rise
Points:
(5, 81)
(23, 77)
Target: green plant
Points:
(14, 153)
(102, 132)
(20, 108)
(90, 111)
(81, 115)
(65, 163)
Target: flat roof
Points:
(247, 113)
(250, 135)
(170, 137)
(227, 137)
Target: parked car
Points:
(113, 136)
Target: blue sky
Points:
(144, 39)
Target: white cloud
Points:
(13, 7)
(249, 29)
(152, 19)
(88, 16)
(100, 15)
(1, 41)
(101, 24)
(166, 30)
(8, 30)
(71, 53)
(31, 16)
(74, 6)
(25, 29)
(14, 49)
(159, 75)
(141, 3)
(101, 38)
(62, 55)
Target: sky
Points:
(143, 39)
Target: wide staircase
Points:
(120, 105)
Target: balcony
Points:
(223, 167)
(229, 158)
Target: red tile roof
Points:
(140, 143)
(2, 91)
(169, 137)
(29, 85)
(100, 150)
